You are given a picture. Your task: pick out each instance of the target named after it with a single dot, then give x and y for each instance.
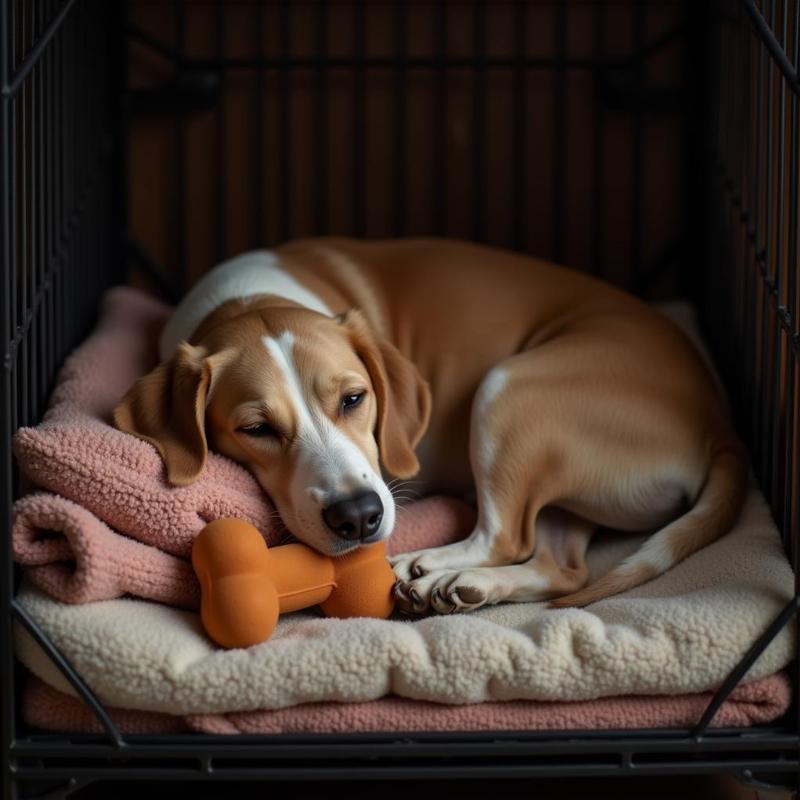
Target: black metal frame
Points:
(62, 167)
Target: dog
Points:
(561, 403)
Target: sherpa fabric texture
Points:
(753, 703)
(680, 633)
(100, 479)
(76, 558)
(118, 478)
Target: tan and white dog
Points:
(561, 402)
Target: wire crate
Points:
(653, 144)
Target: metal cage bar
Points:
(56, 127)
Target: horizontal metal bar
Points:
(773, 45)
(11, 88)
(379, 772)
(392, 62)
(399, 60)
(406, 745)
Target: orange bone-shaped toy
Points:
(245, 585)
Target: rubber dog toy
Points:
(245, 585)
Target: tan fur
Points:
(606, 410)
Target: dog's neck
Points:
(255, 274)
(235, 308)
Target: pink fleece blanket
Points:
(109, 524)
(750, 704)
(105, 524)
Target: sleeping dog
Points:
(558, 402)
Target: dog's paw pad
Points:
(470, 595)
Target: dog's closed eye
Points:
(260, 430)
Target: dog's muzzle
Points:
(355, 518)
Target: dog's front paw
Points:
(406, 565)
(419, 563)
(458, 592)
(441, 593)
(414, 596)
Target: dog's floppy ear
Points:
(167, 408)
(404, 399)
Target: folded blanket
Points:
(680, 633)
(76, 558)
(749, 704)
(88, 561)
(76, 453)
(107, 479)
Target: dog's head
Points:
(313, 405)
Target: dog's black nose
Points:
(355, 517)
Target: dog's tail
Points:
(712, 515)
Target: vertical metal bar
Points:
(400, 210)
(519, 160)
(117, 88)
(767, 283)
(322, 114)
(62, 159)
(49, 202)
(478, 121)
(77, 277)
(285, 120)
(11, 104)
(41, 252)
(359, 187)
(754, 281)
(440, 172)
(259, 145)
(698, 121)
(560, 123)
(789, 491)
(778, 393)
(748, 267)
(36, 309)
(743, 81)
(23, 266)
(791, 481)
(220, 139)
(637, 195)
(598, 180)
(7, 302)
(180, 253)
(68, 164)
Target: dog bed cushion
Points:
(680, 633)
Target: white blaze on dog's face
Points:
(310, 404)
(298, 408)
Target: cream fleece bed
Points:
(680, 633)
